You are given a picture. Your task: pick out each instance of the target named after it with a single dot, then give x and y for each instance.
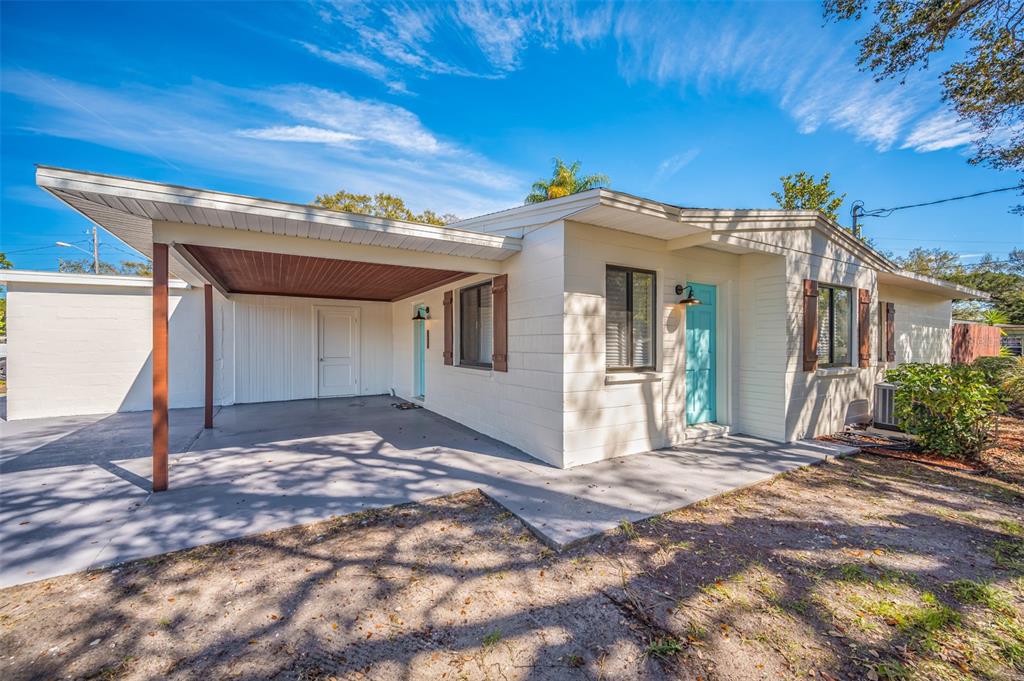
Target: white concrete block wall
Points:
(764, 347)
(276, 353)
(923, 324)
(823, 401)
(86, 349)
(610, 414)
(523, 406)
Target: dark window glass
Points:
(629, 318)
(835, 325)
(476, 325)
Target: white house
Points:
(555, 327)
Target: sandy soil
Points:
(868, 567)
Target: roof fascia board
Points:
(78, 279)
(531, 214)
(222, 237)
(58, 178)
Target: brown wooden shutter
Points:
(864, 327)
(890, 332)
(810, 325)
(499, 299)
(449, 325)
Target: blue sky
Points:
(458, 108)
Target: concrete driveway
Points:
(74, 492)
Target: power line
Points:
(40, 248)
(857, 209)
(886, 212)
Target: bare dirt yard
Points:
(868, 567)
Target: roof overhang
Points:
(600, 207)
(128, 207)
(939, 287)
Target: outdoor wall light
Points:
(689, 299)
(420, 314)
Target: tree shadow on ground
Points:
(772, 581)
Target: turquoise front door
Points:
(700, 355)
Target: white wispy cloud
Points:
(297, 140)
(808, 69)
(387, 124)
(673, 164)
(940, 130)
(359, 62)
(301, 133)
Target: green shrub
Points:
(994, 368)
(1013, 381)
(950, 408)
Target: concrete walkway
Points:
(74, 492)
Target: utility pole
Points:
(856, 211)
(95, 251)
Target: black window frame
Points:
(475, 288)
(831, 363)
(629, 326)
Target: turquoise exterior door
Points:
(420, 354)
(701, 334)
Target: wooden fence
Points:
(971, 341)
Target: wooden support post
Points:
(160, 430)
(208, 419)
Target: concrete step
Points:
(705, 431)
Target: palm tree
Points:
(564, 182)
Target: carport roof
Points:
(127, 207)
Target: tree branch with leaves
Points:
(801, 191)
(985, 87)
(380, 205)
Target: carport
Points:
(242, 245)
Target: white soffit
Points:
(920, 282)
(127, 207)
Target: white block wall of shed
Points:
(86, 350)
(523, 406)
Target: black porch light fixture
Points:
(689, 299)
(419, 317)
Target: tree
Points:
(985, 87)
(564, 181)
(801, 191)
(5, 264)
(137, 268)
(380, 205)
(932, 262)
(127, 267)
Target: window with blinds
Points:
(476, 325)
(835, 325)
(629, 318)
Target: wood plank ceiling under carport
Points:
(241, 271)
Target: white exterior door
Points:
(338, 352)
